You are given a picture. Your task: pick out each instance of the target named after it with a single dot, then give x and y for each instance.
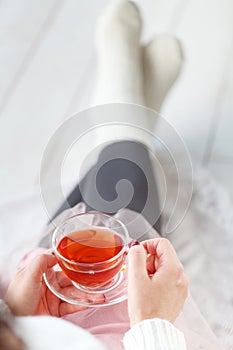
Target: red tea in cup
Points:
(91, 257)
(91, 249)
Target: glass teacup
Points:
(91, 250)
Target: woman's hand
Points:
(29, 295)
(157, 285)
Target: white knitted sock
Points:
(120, 71)
(120, 76)
(119, 83)
(124, 77)
(162, 60)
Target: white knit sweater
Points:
(154, 334)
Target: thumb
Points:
(40, 264)
(137, 265)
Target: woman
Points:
(157, 285)
(152, 309)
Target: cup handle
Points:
(130, 244)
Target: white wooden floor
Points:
(47, 67)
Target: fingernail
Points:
(133, 243)
(50, 251)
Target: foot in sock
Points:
(124, 77)
(162, 60)
(119, 75)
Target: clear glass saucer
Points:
(65, 289)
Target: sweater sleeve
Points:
(154, 334)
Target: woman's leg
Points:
(162, 61)
(102, 188)
(119, 55)
(120, 79)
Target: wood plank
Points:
(44, 93)
(160, 16)
(206, 33)
(22, 26)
